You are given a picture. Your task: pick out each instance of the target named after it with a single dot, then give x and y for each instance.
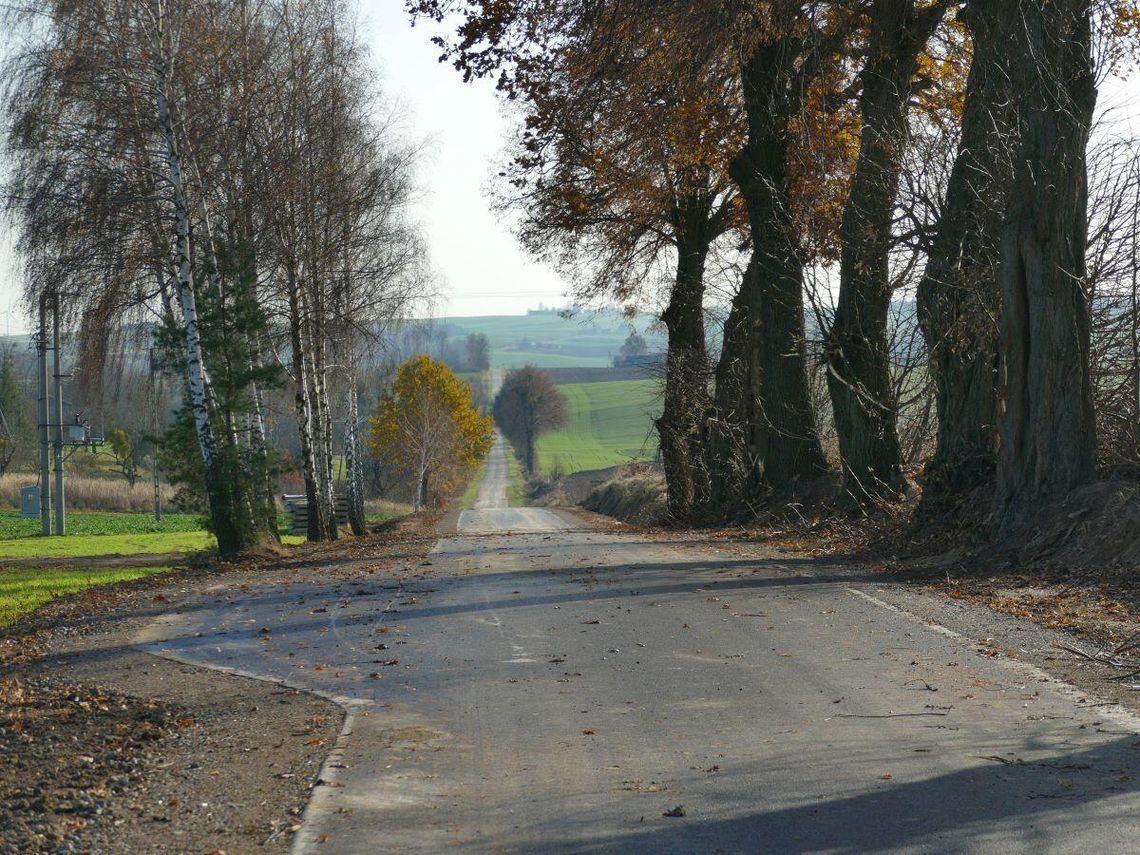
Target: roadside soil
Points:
(107, 748)
(147, 559)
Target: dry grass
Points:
(92, 494)
(384, 509)
(636, 496)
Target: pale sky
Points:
(481, 268)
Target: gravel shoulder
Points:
(109, 748)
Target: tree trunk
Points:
(959, 301)
(323, 410)
(354, 481)
(858, 352)
(1048, 431)
(728, 458)
(317, 522)
(781, 432)
(263, 483)
(422, 490)
(223, 520)
(686, 363)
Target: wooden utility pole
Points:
(155, 397)
(60, 511)
(45, 419)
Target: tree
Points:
(528, 405)
(958, 298)
(123, 450)
(250, 193)
(13, 426)
(110, 186)
(478, 352)
(621, 169)
(859, 360)
(427, 430)
(763, 431)
(1045, 412)
(632, 349)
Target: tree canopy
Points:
(427, 430)
(528, 405)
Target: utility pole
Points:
(156, 396)
(45, 419)
(60, 512)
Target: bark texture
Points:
(353, 464)
(724, 437)
(686, 362)
(858, 352)
(959, 301)
(1048, 432)
(764, 361)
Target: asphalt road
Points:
(539, 687)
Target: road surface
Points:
(540, 687)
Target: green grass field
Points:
(93, 545)
(93, 533)
(101, 523)
(610, 423)
(543, 359)
(22, 591)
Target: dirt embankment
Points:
(632, 493)
(109, 749)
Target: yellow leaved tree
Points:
(427, 430)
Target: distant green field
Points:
(519, 358)
(610, 423)
(550, 341)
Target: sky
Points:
(480, 267)
(483, 269)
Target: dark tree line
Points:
(838, 155)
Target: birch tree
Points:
(104, 104)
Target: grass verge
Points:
(93, 545)
(467, 500)
(23, 591)
(515, 482)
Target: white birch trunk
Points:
(353, 475)
(197, 378)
